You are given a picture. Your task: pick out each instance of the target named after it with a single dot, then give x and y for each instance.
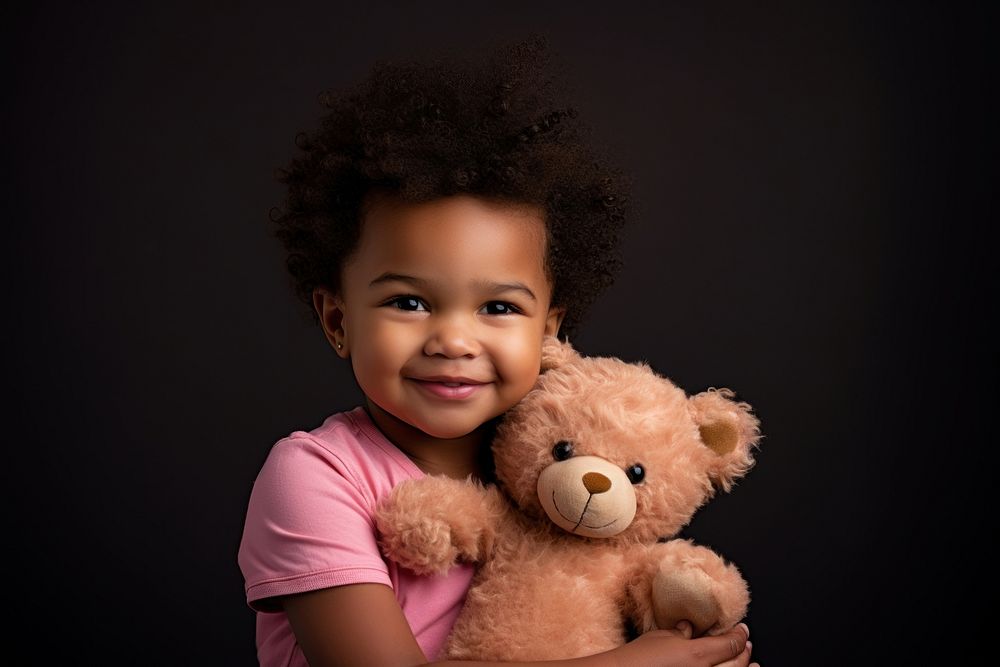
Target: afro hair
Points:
(496, 127)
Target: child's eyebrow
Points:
(485, 285)
(397, 277)
(496, 288)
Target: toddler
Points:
(443, 219)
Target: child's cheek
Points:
(522, 362)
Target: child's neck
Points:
(453, 457)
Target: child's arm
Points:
(358, 624)
(362, 624)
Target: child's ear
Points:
(554, 320)
(330, 308)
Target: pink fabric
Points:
(309, 526)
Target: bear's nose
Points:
(596, 482)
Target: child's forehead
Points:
(458, 238)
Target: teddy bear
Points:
(597, 469)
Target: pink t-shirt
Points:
(309, 525)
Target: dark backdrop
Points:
(815, 184)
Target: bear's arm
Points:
(429, 524)
(678, 580)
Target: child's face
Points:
(442, 310)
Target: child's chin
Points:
(449, 431)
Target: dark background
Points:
(816, 185)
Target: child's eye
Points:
(500, 308)
(411, 303)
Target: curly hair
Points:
(496, 128)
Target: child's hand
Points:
(675, 648)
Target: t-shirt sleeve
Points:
(308, 526)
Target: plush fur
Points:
(571, 550)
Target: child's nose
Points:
(452, 338)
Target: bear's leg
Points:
(684, 582)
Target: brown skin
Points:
(459, 257)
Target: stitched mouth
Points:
(582, 514)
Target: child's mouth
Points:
(449, 389)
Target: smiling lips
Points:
(452, 388)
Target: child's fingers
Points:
(727, 647)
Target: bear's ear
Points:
(555, 354)
(730, 430)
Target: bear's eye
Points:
(636, 473)
(563, 450)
